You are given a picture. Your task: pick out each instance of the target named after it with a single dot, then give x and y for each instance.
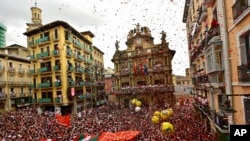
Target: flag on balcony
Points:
(63, 120)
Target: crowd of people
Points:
(27, 125)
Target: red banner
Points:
(119, 136)
(63, 120)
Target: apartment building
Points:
(15, 79)
(98, 69)
(144, 69)
(61, 65)
(218, 42)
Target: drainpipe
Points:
(224, 37)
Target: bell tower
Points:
(36, 18)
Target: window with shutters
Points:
(244, 65)
(245, 49)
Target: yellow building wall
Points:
(235, 28)
(88, 37)
(238, 104)
(62, 44)
(234, 46)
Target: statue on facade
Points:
(117, 45)
(137, 28)
(130, 34)
(163, 36)
(146, 31)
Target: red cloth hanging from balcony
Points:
(214, 23)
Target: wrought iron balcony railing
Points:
(44, 85)
(42, 55)
(42, 40)
(56, 52)
(2, 95)
(145, 89)
(56, 68)
(213, 34)
(44, 100)
(100, 83)
(221, 121)
(58, 100)
(11, 70)
(69, 53)
(57, 84)
(143, 52)
(2, 68)
(21, 71)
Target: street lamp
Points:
(227, 108)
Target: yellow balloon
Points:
(155, 119)
(157, 113)
(170, 111)
(164, 112)
(167, 127)
(133, 101)
(164, 116)
(138, 103)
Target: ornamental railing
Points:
(145, 90)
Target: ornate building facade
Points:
(144, 69)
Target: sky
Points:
(108, 20)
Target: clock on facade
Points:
(138, 40)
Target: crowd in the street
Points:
(27, 125)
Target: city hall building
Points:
(144, 69)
